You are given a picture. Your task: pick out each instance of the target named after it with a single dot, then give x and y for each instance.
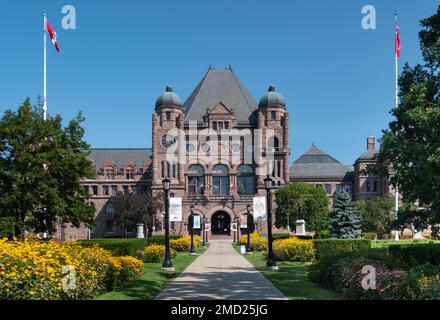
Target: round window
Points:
(190, 148)
(204, 148)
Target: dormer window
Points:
(129, 173)
(110, 173)
(273, 115)
(168, 115)
(220, 125)
(226, 125)
(214, 125)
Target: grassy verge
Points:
(153, 280)
(291, 279)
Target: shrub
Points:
(333, 246)
(33, 269)
(416, 254)
(343, 273)
(184, 243)
(125, 247)
(256, 241)
(369, 235)
(280, 236)
(155, 253)
(293, 249)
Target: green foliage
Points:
(411, 217)
(416, 254)
(7, 227)
(343, 273)
(412, 141)
(155, 253)
(312, 200)
(122, 247)
(325, 247)
(345, 218)
(293, 249)
(377, 215)
(41, 166)
(131, 209)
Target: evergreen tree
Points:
(345, 218)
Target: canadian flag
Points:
(53, 35)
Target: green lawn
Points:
(291, 279)
(153, 280)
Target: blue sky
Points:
(336, 77)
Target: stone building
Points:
(216, 148)
(318, 168)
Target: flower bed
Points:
(184, 243)
(256, 242)
(155, 253)
(32, 269)
(293, 249)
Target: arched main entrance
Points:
(221, 223)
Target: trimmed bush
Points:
(125, 247)
(276, 236)
(155, 253)
(334, 246)
(293, 249)
(369, 235)
(416, 254)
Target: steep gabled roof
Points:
(370, 154)
(220, 85)
(316, 164)
(119, 156)
(315, 155)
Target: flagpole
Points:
(396, 235)
(44, 73)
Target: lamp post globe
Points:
(167, 265)
(270, 263)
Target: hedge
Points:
(123, 247)
(416, 254)
(333, 246)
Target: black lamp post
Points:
(191, 222)
(238, 230)
(248, 221)
(270, 263)
(203, 232)
(206, 231)
(167, 265)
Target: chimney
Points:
(370, 143)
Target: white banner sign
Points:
(234, 226)
(260, 208)
(196, 222)
(175, 209)
(207, 226)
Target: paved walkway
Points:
(220, 273)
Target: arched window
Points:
(245, 179)
(220, 168)
(273, 142)
(220, 180)
(196, 179)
